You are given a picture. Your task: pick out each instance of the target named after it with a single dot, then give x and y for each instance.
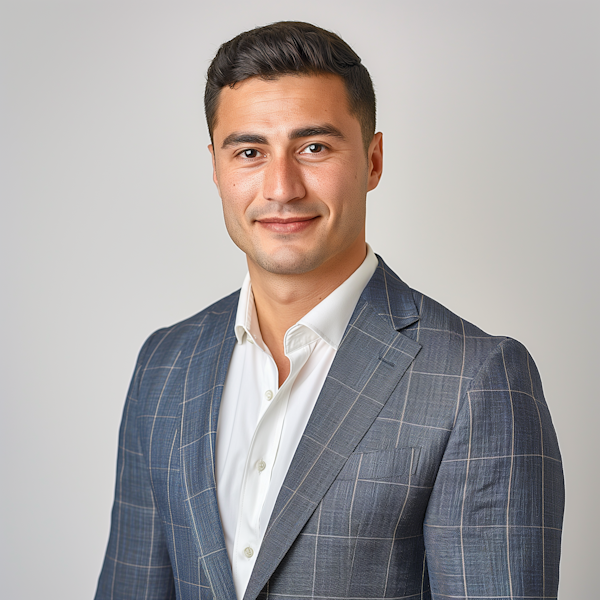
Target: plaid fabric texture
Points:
(429, 467)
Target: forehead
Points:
(283, 104)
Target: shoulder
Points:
(450, 344)
(204, 328)
(497, 384)
(489, 384)
(446, 337)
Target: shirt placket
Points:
(261, 458)
(259, 466)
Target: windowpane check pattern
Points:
(429, 467)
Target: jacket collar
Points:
(390, 297)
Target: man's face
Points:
(292, 172)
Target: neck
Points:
(282, 300)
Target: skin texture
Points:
(292, 173)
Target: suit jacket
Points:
(429, 467)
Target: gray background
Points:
(111, 226)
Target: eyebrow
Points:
(236, 138)
(312, 130)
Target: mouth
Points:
(286, 225)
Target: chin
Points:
(288, 263)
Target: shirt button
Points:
(248, 552)
(262, 465)
(269, 395)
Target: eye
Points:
(313, 149)
(249, 153)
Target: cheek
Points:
(239, 188)
(342, 191)
(234, 216)
(237, 193)
(235, 222)
(326, 185)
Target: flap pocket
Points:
(381, 465)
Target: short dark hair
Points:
(291, 48)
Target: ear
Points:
(375, 161)
(214, 164)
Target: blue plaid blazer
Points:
(429, 467)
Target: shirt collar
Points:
(328, 319)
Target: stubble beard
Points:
(286, 261)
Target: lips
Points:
(286, 225)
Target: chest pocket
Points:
(383, 465)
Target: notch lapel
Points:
(370, 362)
(205, 375)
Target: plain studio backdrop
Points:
(111, 226)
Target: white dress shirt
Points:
(260, 424)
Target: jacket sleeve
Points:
(137, 563)
(493, 524)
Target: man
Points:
(326, 431)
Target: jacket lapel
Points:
(206, 368)
(369, 364)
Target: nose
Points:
(282, 181)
